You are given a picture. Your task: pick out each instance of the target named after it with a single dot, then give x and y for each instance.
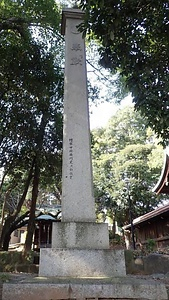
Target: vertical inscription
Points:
(77, 57)
(70, 158)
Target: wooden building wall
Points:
(157, 231)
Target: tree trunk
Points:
(114, 227)
(3, 213)
(36, 179)
(31, 222)
(6, 230)
(114, 224)
(14, 225)
(2, 216)
(6, 241)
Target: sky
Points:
(99, 115)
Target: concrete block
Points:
(80, 235)
(81, 263)
(114, 289)
(35, 291)
(156, 263)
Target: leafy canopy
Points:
(31, 90)
(125, 148)
(134, 41)
(31, 105)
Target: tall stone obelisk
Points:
(77, 191)
(80, 246)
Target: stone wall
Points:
(150, 264)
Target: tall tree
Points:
(134, 41)
(125, 148)
(31, 94)
(31, 81)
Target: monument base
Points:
(80, 235)
(81, 263)
(123, 288)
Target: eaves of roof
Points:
(159, 212)
(162, 186)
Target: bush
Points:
(11, 260)
(151, 245)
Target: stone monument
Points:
(80, 246)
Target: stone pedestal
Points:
(80, 247)
(84, 289)
(73, 235)
(81, 263)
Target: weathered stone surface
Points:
(81, 263)
(156, 263)
(117, 288)
(79, 246)
(77, 189)
(152, 263)
(80, 235)
(30, 291)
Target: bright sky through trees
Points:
(100, 114)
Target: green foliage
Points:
(109, 88)
(29, 257)
(31, 99)
(10, 261)
(31, 84)
(133, 39)
(10, 257)
(117, 241)
(151, 245)
(4, 277)
(125, 148)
